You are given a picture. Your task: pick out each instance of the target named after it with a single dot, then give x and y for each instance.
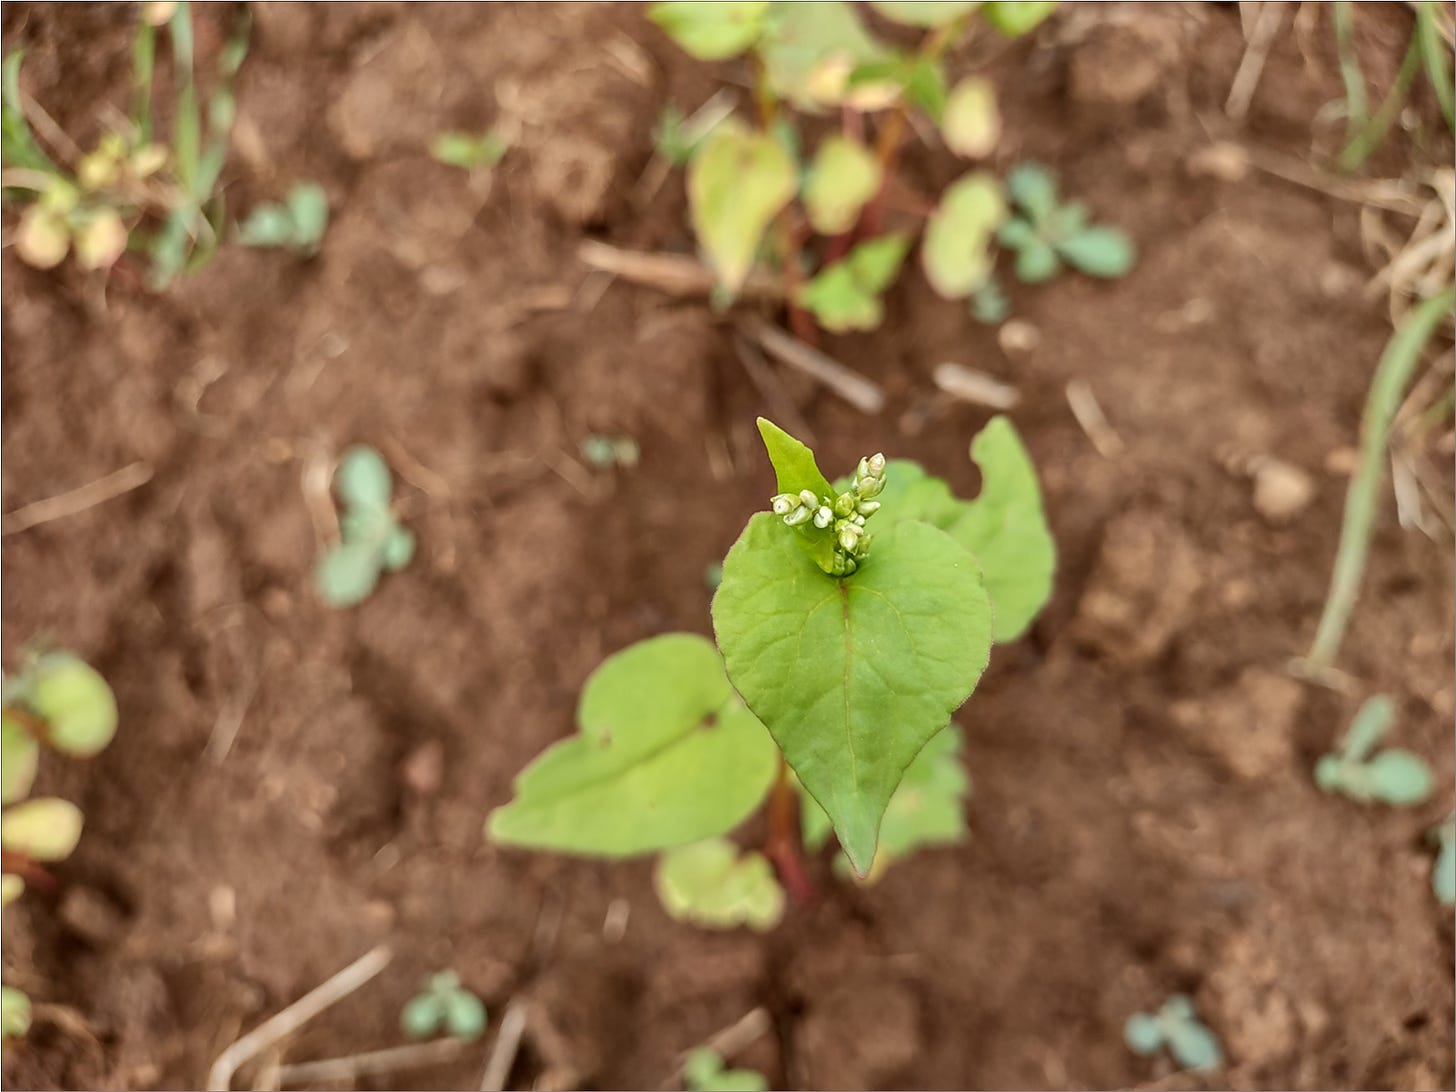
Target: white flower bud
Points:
(807, 497)
(867, 507)
(849, 536)
(844, 504)
(877, 465)
(824, 517)
(799, 515)
(784, 503)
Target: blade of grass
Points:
(1364, 142)
(1392, 376)
(1356, 107)
(143, 63)
(19, 144)
(1433, 55)
(187, 128)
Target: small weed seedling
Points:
(470, 151)
(605, 451)
(443, 1006)
(1045, 233)
(1176, 1027)
(56, 701)
(371, 539)
(131, 190)
(851, 620)
(1395, 777)
(297, 223)
(704, 1072)
(1443, 875)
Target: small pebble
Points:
(1018, 336)
(1223, 160)
(423, 769)
(1281, 491)
(91, 915)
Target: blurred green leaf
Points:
(1036, 262)
(989, 304)
(348, 573)
(14, 1013)
(1193, 1045)
(1372, 722)
(464, 1015)
(1143, 1034)
(838, 302)
(1399, 778)
(19, 757)
(308, 205)
(1013, 18)
(43, 830)
(74, 700)
(934, 14)
(844, 176)
(18, 146)
(422, 1016)
(926, 87)
(810, 48)
(956, 252)
(469, 151)
(362, 478)
(738, 180)
(1443, 875)
(704, 1072)
(1098, 252)
(710, 31)
(972, 122)
(1032, 187)
(398, 550)
(710, 884)
(875, 262)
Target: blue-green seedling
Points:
(1443, 873)
(56, 700)
(1044, 232)
(444, 1006)
(704, 1071)
(851, 620)
(470, 151)
(1178, 1028)
(371, 539)
(604, 451)
(1395, 777)
(297, 223)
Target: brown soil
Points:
(1144, 819)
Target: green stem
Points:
(1392, 377)
(1363, 144)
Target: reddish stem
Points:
(785, 843)
(18, 864)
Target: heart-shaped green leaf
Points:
(852, 676)
(971, 123)
(1098, 252)
(78, 707)
(934, 14)
(956, 254)
(465, 1016)
(422, 1015)
(1195, 1046)
(667, 755)
(844, 175)
(710, 31)
(839, 303)
(44, 830)
(738, 180)
(709, 883)
(1143, 1033)
(19, 756)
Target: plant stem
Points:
(785, 843)
(34, 874)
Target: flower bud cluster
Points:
(844, 516)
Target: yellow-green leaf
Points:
(956, 254)
(936, 13)
(19, 756)
(44, 830)
(710, 31)
(972, 122)
(710, 884)
(76, 703)
(738, 180)
(844, 176)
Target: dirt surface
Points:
(1144, 819)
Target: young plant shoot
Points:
(704, 1071)
(297, 223)
(1394, 776)
(371, 538)
(1177, 1027)
(851, 619)
(445, 1007)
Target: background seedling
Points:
(56, 700)
(605, 451)
(671, 754)
(1395, 777)
(371, 537)
(296, 223)
(1044, 232)
(443, 1006)
(704, 1071)
(1443, 874)
(470, 151)
(1177, 1027)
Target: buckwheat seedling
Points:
(371, 537)
(1045, 233)
(1175, 1026)
(1394, 776)
(297, 223)
(704, 1071)
(443, 1006)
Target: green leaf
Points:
(796, 470)
(469, 151)
(810, 49)
(1037, 262)
(308, 205)
(1398, 778)
(1098, 252)
(926, 87)
(1032, 187)
(989, 305)
(875, 262)
(972, 122)
(667, 754)
(398, 549)
(935, 14)
(1013, 18)
(1195, 1046)
(11, 888)
(844, 176)
(17, 144)
(19, 756)
(44, 830)
(738, 181)
(362, 478)
(710, 884)
(838, 302)
(421, 1016)
(348, 573)
(14, 1013)
(1372, 721)
(465, 1016)
(710, 31)
(852, 676)
(704, 1072)
(1005, 528)
(1443, 875)
(78, 707)
(956, 253)
(1143, 1033)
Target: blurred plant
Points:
(1395, 777)
(1044, 232)
(1443, 874)
(296, 223)
(605, 451)
(371, 538)
(1177, 1027)
(131, 190)
(680, 741)
(56, 701)
(1429, 51)
(704, 1071)
(752, 196)
(470, 151)
(444, 1005)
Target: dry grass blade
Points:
(1265, 26)
(103, 489)
(859, 392)
(675, 274)
(371, 1063)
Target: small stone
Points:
(1342, 461)
(1223, 160)
(91, 915)
(1281, 490)
(423, 769)
(1018, 336)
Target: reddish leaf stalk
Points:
(785, 842)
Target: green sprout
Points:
(297, 223)
(704, 1071)
(851, 619)
(1178, 1028)
(1045, 233)
(443, 1005)
(372, 539)
(756, 198)
(133, 190)
(607, 451)
(56, 700)
(470, 151)
(1395, 777)
(1443, 874)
